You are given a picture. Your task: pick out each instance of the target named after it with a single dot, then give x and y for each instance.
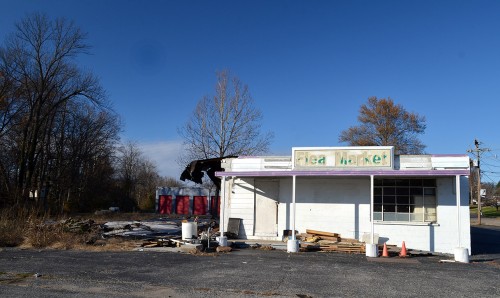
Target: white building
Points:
(419, 199)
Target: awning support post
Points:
(222, 239)
(371, 249)
(293, 244)
(461, 253)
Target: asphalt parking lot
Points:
(245, 273)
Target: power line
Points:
(478, 151)
(490, 165)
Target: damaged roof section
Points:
(194, 170)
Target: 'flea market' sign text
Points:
(347, 157)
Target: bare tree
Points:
(226, 123)
(40, 86)
(138, 176)
(83, 154)
(383, 123)
(171, 182)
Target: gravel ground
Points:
(249, 273)
(243, 273)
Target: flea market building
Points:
(366, 193)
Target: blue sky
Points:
(309, 65)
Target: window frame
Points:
(410, 200)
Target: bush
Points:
(12, 228)
(19, 226)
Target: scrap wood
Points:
(349, 240)
(322, 233)
(346, 250)
(329, 238)
(147, 245)
(350, 248)
(308, 246)
(157, 243)
(334, 246)
(312, 239)
(327, 242)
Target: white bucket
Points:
(189, 230)
(292, 246)
(222, 240)
(462, 255)
(371, 250)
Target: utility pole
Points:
(478, 152)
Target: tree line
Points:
(59, 135)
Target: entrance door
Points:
(266, 207)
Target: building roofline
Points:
(337, 173)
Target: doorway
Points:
(266, 207)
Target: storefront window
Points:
(412, 200)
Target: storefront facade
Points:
(359, 192)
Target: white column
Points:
(459, 224)
(293, 208)
(461, 253)
(293, 244)
(372, 200)
(222, 239)
(371, 249)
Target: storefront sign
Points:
(343, 157)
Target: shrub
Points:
(11, 228)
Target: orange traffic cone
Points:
(403, 251)
(385, 253)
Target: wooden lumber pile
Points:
(347, 248)
(324, 235)
(314, 240)
(162, 242)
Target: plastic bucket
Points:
(189, 230)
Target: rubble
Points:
(165, 234)
(140, 229)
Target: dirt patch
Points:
(15, 278)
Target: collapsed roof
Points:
(194, 170)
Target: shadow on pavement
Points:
(485, 240)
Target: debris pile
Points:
(78, 226)
(140, 229)
(314, 240)
(146, 234)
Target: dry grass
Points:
(11, 228)
(116, 216)
(29, 229)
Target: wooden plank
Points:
(329, 238)
(322, 233)
(356, 250)
(151, 245)
(349, 240)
